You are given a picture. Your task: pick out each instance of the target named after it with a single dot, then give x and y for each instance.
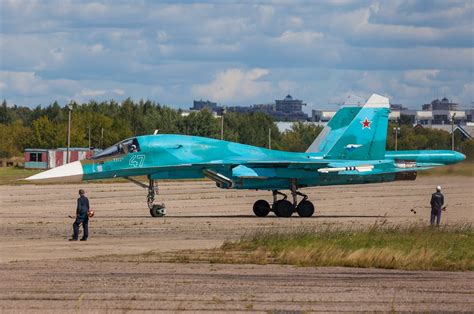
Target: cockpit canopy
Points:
(124, 147)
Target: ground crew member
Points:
(437, 202)
(81, 217)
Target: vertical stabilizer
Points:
(362, 138)
(334, 129)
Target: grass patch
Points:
(465, 169)
(10, 175)
(413, 247)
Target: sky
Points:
(236, 52)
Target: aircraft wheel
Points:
(261, 208)
(305, 209)
(158, 210)
(283, 208)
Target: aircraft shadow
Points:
(275, 217)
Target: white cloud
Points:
(118, 91)
(168, 50)
(421, 77)
(96, 49)
(234, 85)
(161, 36)
(303, 37)
(94, 8)
(23, 82)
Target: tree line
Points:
(106, 123)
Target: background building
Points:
(287, 109)
(201, 104)
(38, 158)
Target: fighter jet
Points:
(349, 150)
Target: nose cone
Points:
(71, 172)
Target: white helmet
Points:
(438, 188)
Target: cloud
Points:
(175, 51)
(234, 85)
(302, 38)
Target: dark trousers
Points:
(435, 214)
(85, 226)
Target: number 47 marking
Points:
(137, 161)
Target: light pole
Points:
(69, 108)
(269, 138)
(222, 124)
(452, 131)
(89, 137)
(101, 138)
(396, 129)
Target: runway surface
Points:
(38, 274)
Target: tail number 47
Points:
(137, 161)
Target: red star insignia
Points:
(366, 124)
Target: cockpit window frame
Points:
(125, 147)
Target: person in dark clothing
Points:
(437, 202)
(81, 217)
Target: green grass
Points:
(11, 175)
(413, 247)
(409, 247)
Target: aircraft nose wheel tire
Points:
(305, 209)
(158, 211)
(283, 208)
(261, 208)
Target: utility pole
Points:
(89, 137)
(452, 131)
(397, 130)
(222, 124)
(101, 138)
(69, 107)
(269, 138)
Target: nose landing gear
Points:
(156, 210)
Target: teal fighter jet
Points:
(349, 150)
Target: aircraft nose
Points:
(71, 172)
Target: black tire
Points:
(305, 209)
(261, 208)
(158, 211)
(283, 208)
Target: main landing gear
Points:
(283, 207)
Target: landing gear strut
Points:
(156, 210)
(283, 207)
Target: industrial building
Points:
(286, 109)
(438, 112)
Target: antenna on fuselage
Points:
(155, 132)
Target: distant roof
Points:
(36, 150)
(61, 148)
(75, 148)
(468, 130)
